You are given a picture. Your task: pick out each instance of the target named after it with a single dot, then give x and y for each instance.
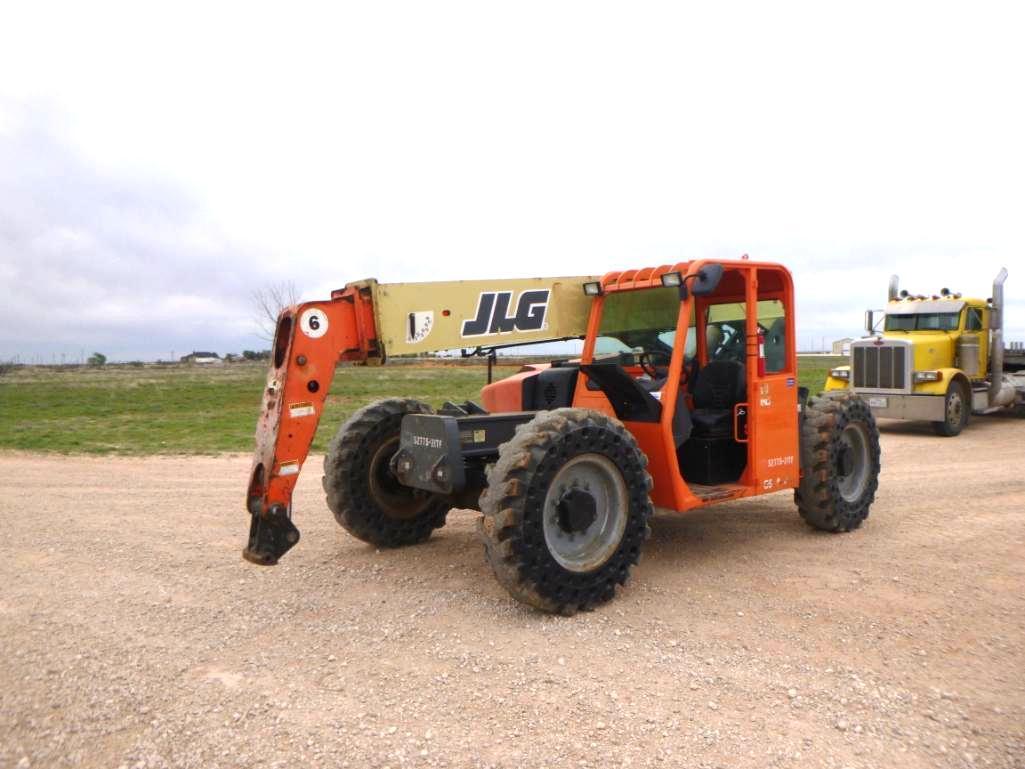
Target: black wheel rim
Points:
(394, 499)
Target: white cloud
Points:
(233, 144)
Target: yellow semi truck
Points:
(938, 358)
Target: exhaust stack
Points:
(894, 285)
(996, 353)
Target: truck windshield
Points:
(924, 321)
(645, 318)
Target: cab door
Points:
(772, 416)
(975, 323)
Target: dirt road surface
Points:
(132, 633)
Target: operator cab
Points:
(639, 331)
(639, 327)
(687, 367)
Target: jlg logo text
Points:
(493, 317)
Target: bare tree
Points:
(268, 302)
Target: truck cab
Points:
(936, 358)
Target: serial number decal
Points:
(781, 461)
(427, 442)
(492, 316)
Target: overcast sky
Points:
(157, 163)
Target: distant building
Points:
(202, 358)
(842, 346)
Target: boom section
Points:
(363, 323)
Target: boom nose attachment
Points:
(270, 536)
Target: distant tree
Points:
(97, 359)
(268, 302)
(256, 355)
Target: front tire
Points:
(566, 510)
(839, 462)
(366, 498)
(956, 410)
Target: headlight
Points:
(928, 376)
(840, 373)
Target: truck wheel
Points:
(956, 410)
(566, 510)
(366, 498)
(839, 461)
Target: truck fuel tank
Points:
(968, 355)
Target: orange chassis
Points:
(313, 337)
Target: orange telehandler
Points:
(685, 395)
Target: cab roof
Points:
(922, 307)
(651, 277)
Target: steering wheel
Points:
(646, 360)
(731, 349)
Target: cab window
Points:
(639, 320)
(725, 333)
(923, 321)
(772, 321)
(974, 321)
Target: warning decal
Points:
(301, 409)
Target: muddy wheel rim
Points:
(955, 409)
(852, 462)
(393, 499)
(585, 512)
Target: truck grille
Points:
(880, 366)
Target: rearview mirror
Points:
(869, 325)
(707, 280)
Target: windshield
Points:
(644, 319)
(924, 321)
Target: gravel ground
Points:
(132, 633)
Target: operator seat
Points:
(720, 386)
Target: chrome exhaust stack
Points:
(894, 286)
(996, 352)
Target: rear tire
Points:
(839, 462)
(566, 510)
(366, 499)
(956, 410)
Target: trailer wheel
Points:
(566, 510)
(839, 461)
(367, 499)
(956, 409)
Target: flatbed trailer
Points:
(1014, 357)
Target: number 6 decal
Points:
(313, 323)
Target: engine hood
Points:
(932, 349)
